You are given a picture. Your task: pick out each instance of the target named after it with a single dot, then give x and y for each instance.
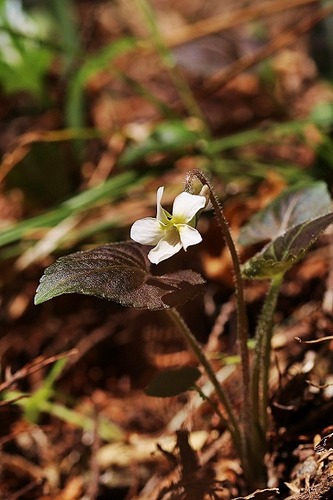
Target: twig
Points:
(230, 19)
(316, 341)
(34, 366)
(284, 39)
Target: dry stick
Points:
(316, 341)
(230, 19)
(25, 489)
(21, 146)
(35, 365)
(287, 37)
(242, 321)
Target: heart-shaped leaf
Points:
(282, 253)
(118, 272)
(294, 206)
(173, 382)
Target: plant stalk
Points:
(260, 370)
(213, 405)
(275, 290)
(242, 320)
(191, 341)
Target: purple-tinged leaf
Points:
(293, 207)
(118, 272)
(282, 253)
(173, 382)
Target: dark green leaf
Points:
(279, 255)
(294, 206)
(173, 382)
(118, 272)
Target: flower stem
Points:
(242, 321)
(260, 370)
(230, 422)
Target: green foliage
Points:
(24, 56)
(173, 382)
(294, 206)
(28, 49)
(111, 190)
(293, 222)
(42, 401)
(283, 252)
(92, 65)
(118, 272)
(33, 403)
(168, 137)
(322, 115)
(65, 30)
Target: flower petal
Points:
(167, 247)
(188, 235)
(186, 205)
(147, 231)
(161, 214)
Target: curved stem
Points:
(191, 341)
(242, 321)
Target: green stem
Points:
(191, 341)
(260, 370)
(242, 321)
(275, 290)
(212, 403)
(270, 135)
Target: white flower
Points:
(168, 232)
